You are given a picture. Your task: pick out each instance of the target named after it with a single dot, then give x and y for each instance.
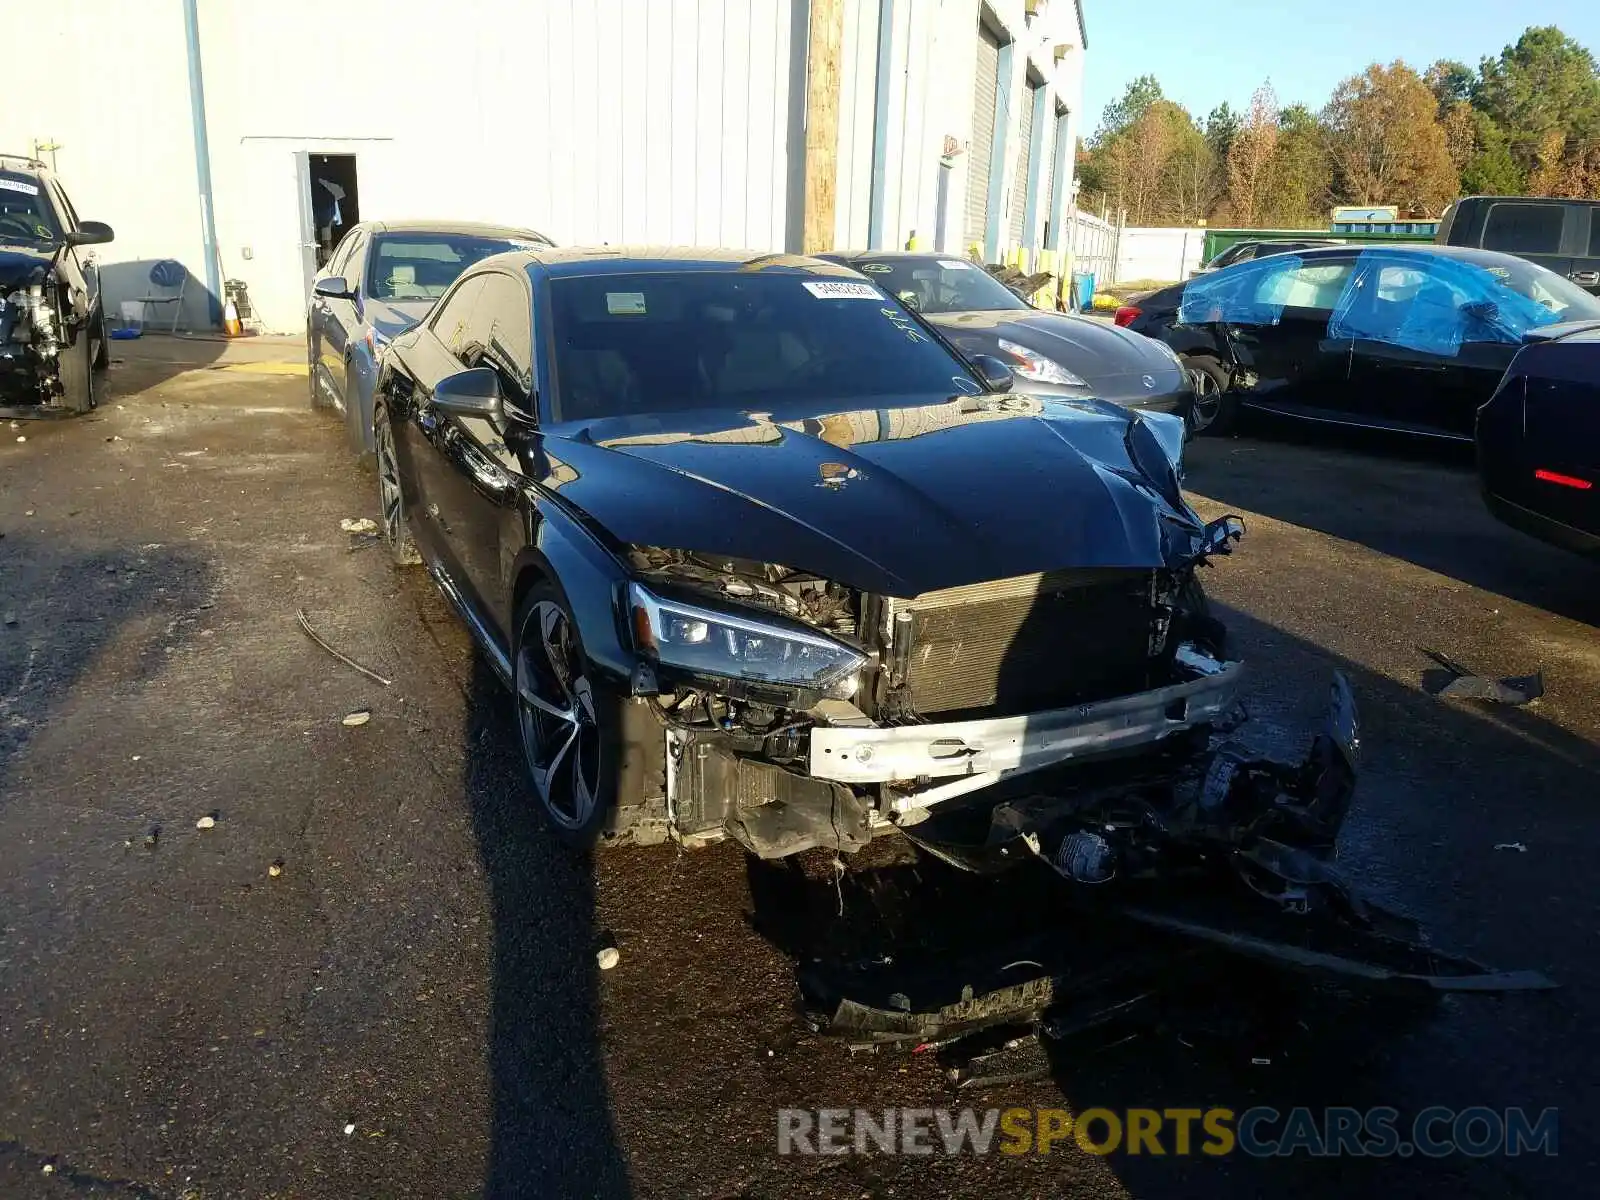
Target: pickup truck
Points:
(1561, 235)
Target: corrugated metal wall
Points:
(857, 103)
(1019, 181)
(666, 122)
(659, 121)
(981, 148)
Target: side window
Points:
(501, 326)
(1594, 232)
(352, 265)
(452, 322)
(341, 253)
(1315, 285)
(1524, 228)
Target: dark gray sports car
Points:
(1049, 353)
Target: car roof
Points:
(630, 260)
(22, 164)
(882, 255)
(468, 228)
(1420, 249)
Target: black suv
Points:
(52, 325)
(1560, 235)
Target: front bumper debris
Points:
(1214, 872)
(984, 752)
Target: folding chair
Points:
(168, 274)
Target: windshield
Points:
(25, 215)
(940, 285)
(421, 266)
(658, 342)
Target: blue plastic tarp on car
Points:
(1248, 294)
(1432, 304)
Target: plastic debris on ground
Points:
(1461, 683)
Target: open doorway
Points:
(335, 200)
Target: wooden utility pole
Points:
(822, 123)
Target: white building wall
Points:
(661, 121)
(929, 105)
(658, 121)
(108, 83)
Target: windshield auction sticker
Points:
(625, 304)
(841, 289)
(17, 185)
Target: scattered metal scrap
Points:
(1462, 683)
(1222, 867)
(305, 625)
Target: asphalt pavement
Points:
(374, 973)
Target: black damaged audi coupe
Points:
(761, 555)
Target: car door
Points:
(1586, 268)
(1420, 360)
(481, 476)
(1275, 321)
(426, 437)
(338, 318)
(80, 261)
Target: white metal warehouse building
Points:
(197, 128)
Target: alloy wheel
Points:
(1207, 400)
(389, 495)
(556, 713)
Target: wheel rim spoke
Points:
(531, 697)
(558, 718)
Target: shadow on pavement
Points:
(63, 606)
(1408, 498)
(552, 1132)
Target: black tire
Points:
(1215, 409)
(392, 520)
(315, 399)
(77, 374)
(568, 723)
(102, 351)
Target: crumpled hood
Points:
(899, 500)
(1098, 352)
(391, 318)
(21, 266)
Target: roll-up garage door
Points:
(1048, 142)
(1019, 183)
(981, 151)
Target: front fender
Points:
(589, 576)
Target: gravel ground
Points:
(410, 1006)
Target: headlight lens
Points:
(711, 641)
(1030, 364)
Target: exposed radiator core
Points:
(1031, 642)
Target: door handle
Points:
(1585, 278)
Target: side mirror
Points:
(90, 233)
(334, 287)
(995, 374)
(472, 393)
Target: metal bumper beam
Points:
(981, 752)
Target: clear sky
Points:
(1204, 54)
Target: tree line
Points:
(1525, 122)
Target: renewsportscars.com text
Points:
(1435, 1132)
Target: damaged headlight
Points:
(712, 641)
(1030, 364)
